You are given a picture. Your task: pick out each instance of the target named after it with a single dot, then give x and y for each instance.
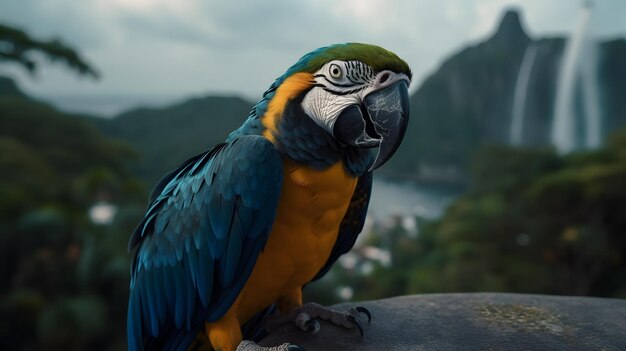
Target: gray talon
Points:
(352, 319)
(293, 347)
(307, 317)
(303, 321)
(313, 326)
(366, 312)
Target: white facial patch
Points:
(324, 107)
(339, 84)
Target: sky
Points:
(157, 51)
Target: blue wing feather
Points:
(206, 223)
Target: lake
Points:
(403, 199)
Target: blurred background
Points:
(511, 177)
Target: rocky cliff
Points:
(467, 103)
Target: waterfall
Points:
(519, 97)
(593, 118)
(578, 62)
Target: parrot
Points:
(231, 236)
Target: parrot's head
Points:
(356, 93)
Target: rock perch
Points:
(480, 321)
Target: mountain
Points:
(47, 156)
(35, 136)
(166, 137)
(160, 138)
(9, 88)
(467, 103)
(463, 104)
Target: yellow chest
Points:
(311, 207)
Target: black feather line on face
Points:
(347, 92)
(337, 84)
(351, 77)
(356, 72)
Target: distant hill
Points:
(65, 143)
(47, 156)
(168, 136)
(9, 88)
(161, 137)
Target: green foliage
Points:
(499, 167)
(532, 222)
(69, 143)
(541, 223)
(18, 47)
(71, 323)
(63, 281)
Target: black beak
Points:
(381, 121)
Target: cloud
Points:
(197, 46)
(75, 22)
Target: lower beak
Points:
(381, 121)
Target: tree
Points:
(18, 47)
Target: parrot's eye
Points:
(335, 71)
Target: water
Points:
(578, 60)
(593, 122)
(408, 199)
(519, 97)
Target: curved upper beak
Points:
(381, 120)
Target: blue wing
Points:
(352, 222)
(206, 224)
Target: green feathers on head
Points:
(376, 57)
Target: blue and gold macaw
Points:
(239, 230)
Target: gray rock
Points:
(483, 321)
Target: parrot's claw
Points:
(305, 318)
(248, 345)
(356, 323)
(363, 310)
(305, 323)
(313, 326)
